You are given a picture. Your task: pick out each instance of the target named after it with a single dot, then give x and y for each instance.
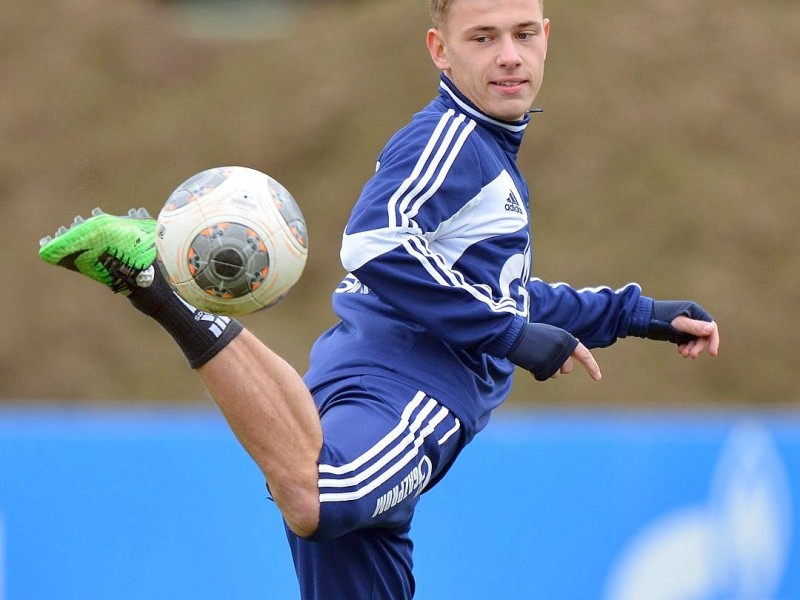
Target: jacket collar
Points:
(510, 131)
(449, 90)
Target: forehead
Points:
(471, 13)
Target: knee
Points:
(301, 511)
(303, 527)
(336, 519)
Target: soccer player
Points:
(437, 309)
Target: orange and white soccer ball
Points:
(231, 240)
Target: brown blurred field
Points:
(668, 154)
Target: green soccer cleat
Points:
(116, 251)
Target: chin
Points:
(510, 116)
(511, 112)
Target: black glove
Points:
(542, 349)
(664, 311)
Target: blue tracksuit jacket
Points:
(438, 254)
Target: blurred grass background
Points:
(667, 154)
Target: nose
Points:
(508, 55)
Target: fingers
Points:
(566, 368)
(713, 340)
(693, 326)
(694, 348)
(583, 356)
(706, 334)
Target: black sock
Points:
(200, 335)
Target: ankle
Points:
(199, 335)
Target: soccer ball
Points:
(231, 241)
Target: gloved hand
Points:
(542, 349)
(664, 312)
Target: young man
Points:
(437, 309)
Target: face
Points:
(494, 52)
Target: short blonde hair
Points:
(440, 8)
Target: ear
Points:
(438, 49)
(546, 30)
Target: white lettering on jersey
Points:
(413, 483)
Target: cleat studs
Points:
(78, 220)
(45, 240)
(96, 212)
(138, 213)
(61, 231)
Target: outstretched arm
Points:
(598, 317)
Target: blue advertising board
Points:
(616, 506)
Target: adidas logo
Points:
(512, 204)
(217, 324)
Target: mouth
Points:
(509, 85)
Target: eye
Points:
(525, 35)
